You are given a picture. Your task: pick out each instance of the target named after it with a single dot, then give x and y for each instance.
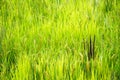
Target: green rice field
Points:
(59, 39)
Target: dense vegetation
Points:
(54, 39)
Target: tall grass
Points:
(45, 39)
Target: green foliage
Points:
(45, 39)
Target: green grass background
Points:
(44, 39)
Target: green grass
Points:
(45, 39)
